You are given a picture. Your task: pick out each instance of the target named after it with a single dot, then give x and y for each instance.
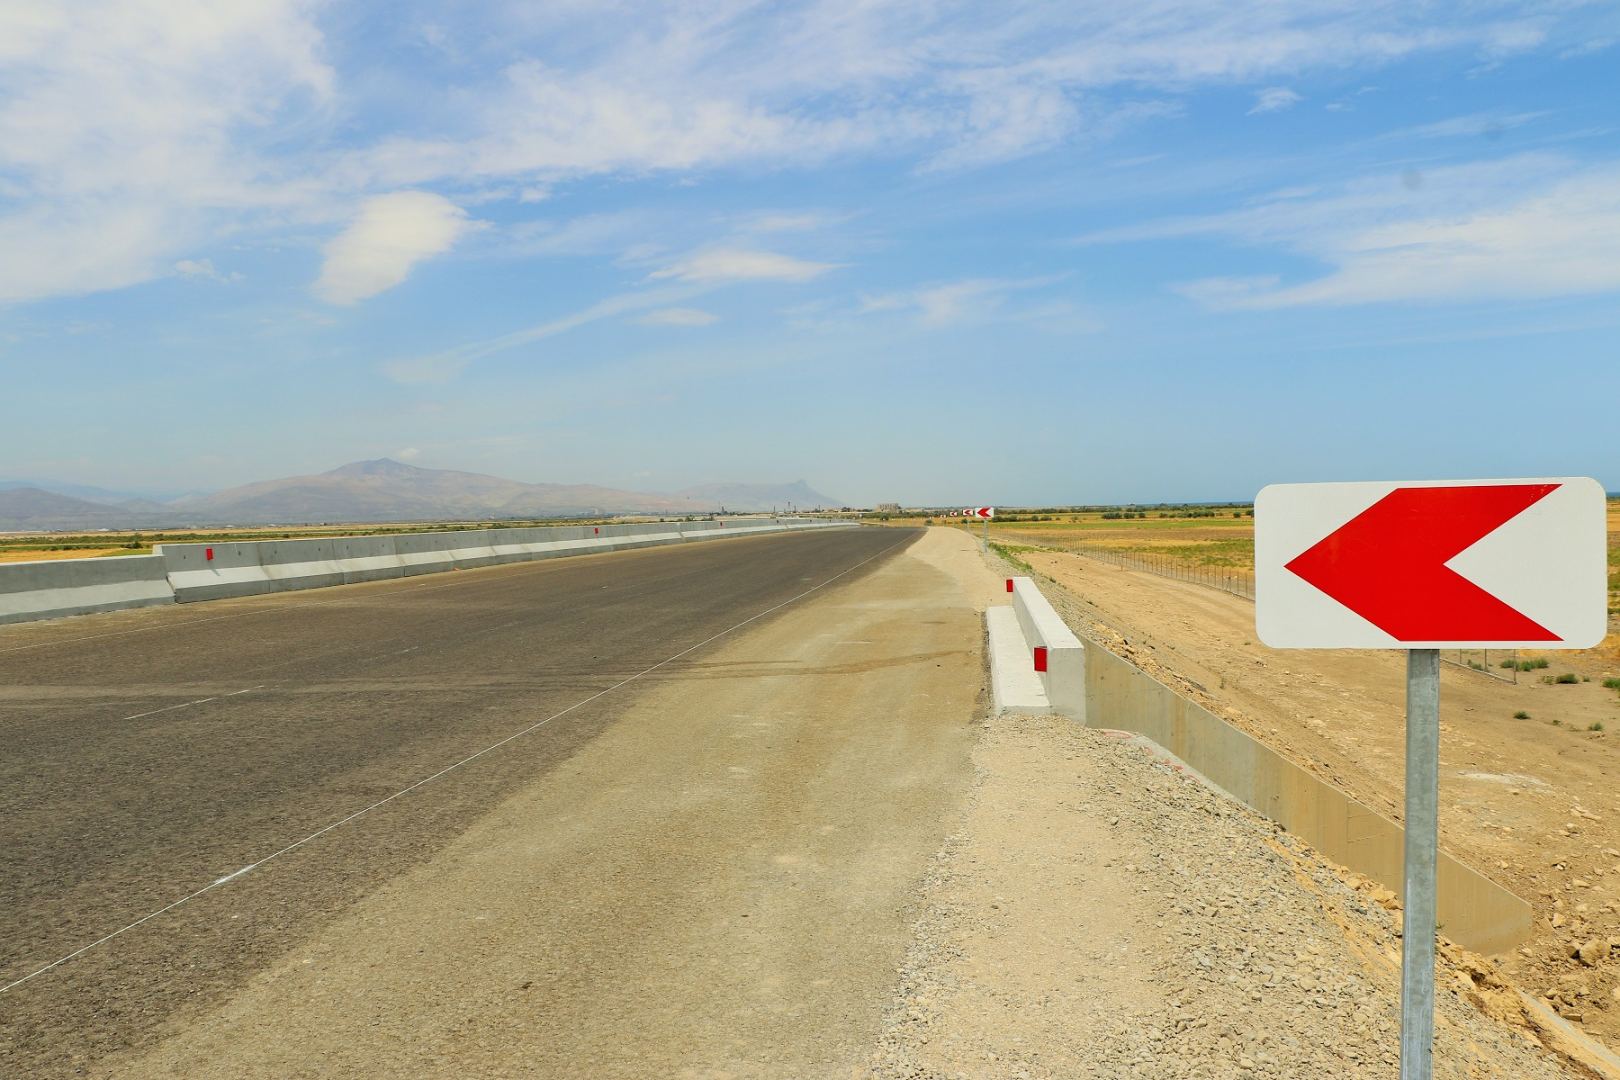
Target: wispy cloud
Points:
(132, 132)
(739, 264)
(389, 235)
(1524, 227)
(445, 365)
(678, 316)
(951, 303)
(203, 269)
(1275, 99)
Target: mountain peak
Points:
(376, 467)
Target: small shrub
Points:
(1568, 678)
(1555, 722)
(1612, 684)
(1506, 664)
(1521, 715)
(1596, 725)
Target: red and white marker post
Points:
(1425, 566)
(985, 512)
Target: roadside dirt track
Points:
(1529, 803)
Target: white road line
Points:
(171, 708)
(211, 886)
(189, 704)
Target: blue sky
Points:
(925, 251)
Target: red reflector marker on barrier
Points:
(208, 555)
(1040, 658)
(1009, 584)
(596, 532)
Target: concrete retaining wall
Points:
(1475, 912)
(52, 588)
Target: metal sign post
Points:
(1423, 566)
(1422, 854)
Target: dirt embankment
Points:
(1530, 800)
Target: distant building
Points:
(888, 508)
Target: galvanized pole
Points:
(1422, 852)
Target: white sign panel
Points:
(1432, 565)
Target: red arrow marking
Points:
(1387, 564)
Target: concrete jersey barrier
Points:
(216, 571)
(52, 588)
(191, 572)
(1063, 673)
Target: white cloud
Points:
(1275, 99)
(738, 264)
(409, 453)
(203, 269)
(1523, 227)
(390, 234)
(678, 316)
(447, 364)
(950, 85)
(970, 300)
(163, 124)
(129, 132)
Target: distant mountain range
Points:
(375, 491)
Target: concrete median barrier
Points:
(59, 587)
(191, 572)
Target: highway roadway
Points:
(152, 754)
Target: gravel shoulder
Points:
(1099, 913)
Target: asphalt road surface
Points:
(149, 754)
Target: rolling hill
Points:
(387, 491)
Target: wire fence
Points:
(1507, 660)
(1240, 582)
(1233, 579)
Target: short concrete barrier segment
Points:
(368, 558)
(213, 571)
(425, 553)
(300, 564)
(1064, 674)
(1014, 686)
(57, 587)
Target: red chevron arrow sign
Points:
(1431, 565)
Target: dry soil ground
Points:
(1532, 802)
